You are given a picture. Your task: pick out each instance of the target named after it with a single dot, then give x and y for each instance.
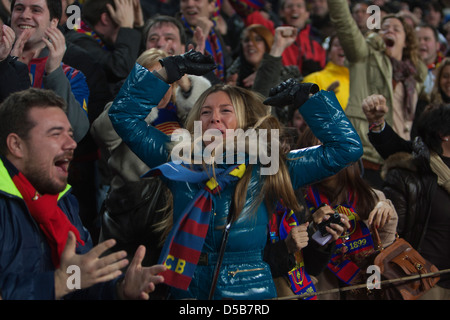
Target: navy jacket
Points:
(26, 269)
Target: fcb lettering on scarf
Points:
(184, 243)
(281, 223)
(351, 248)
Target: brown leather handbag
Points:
(401, 260)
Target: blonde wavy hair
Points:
(251, 113)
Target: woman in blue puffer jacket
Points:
(244, 190)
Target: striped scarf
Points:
(353, 247)
(85, 29)
(213, 47)
(44, 209)
(184, 244)
(283, 220)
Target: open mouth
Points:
(63, 165)
(222, 131)
(389, 42)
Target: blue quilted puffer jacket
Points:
(244, 274)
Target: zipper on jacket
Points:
(233, 273)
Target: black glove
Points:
(291, 92)
(191, 62)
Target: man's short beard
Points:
(41, 182)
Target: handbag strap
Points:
(378, 246)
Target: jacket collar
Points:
(7, 185)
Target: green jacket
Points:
(370, 71)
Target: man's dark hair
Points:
(14, 112)
(92, 10)
(54, 7)
(429, 26)
(160, 20)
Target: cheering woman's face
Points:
(218, 112)
(394, 37)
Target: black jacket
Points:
(410, 184)
(13, 77)
(119, 59)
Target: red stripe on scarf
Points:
(181, 281)
(346, 270)
(185, 253)
(51, 219)
(204, 204)
(195, 228)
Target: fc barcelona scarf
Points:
(45, 211)
(184, 243)
(352, 247)
(283, 220)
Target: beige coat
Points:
(370, 71)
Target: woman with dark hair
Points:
(347, 193)
(418, 184)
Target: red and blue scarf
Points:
(184, 243)
(87, 30)
(352, 247)
(45, 211)
(283, 220)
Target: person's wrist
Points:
(377, 126)
(61, 288)
(119, 288)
